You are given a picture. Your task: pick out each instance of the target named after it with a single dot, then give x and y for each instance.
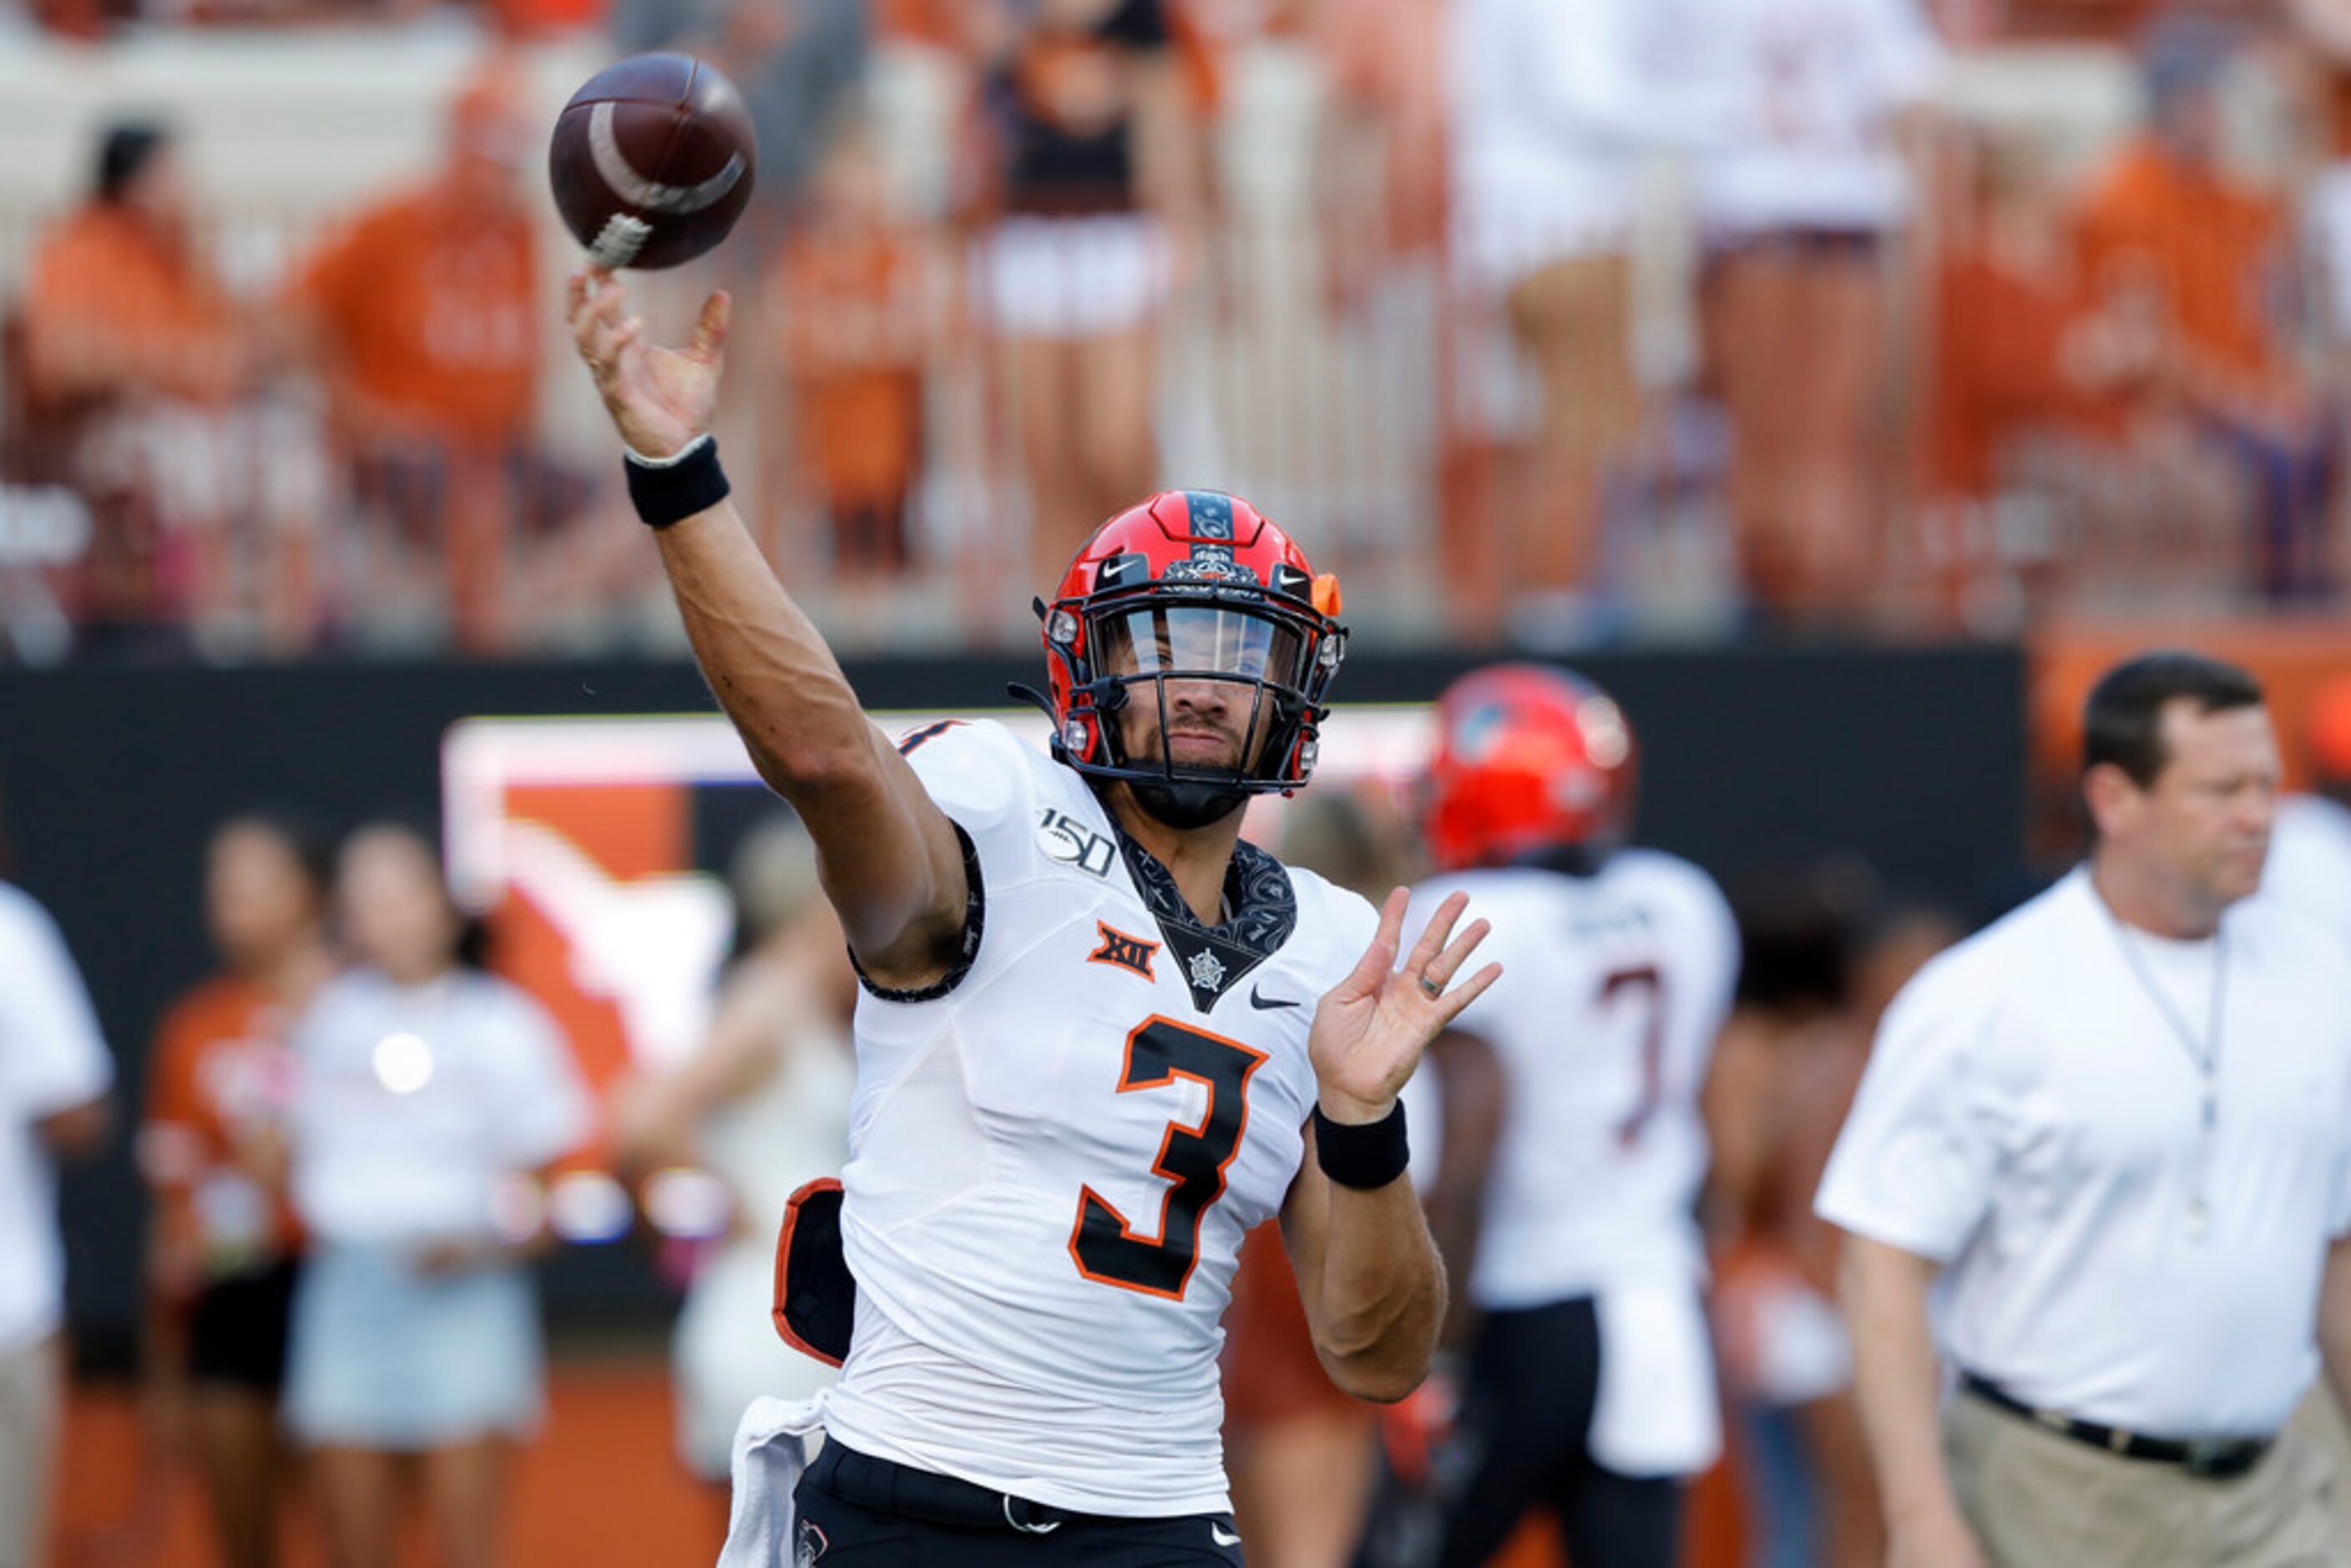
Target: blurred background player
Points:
(223, 1246)
(55, 1074)
(1570, 1149)
(1095, 180)
(430, 1091)
(1299, 1449)
(763, 1107)
(2117, 1121)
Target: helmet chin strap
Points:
(1187, 806)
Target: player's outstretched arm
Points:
(889, 857)
(1370, 1277)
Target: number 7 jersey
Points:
(1613, 987)
(1055, 1153)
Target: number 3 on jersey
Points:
(1193, 1159)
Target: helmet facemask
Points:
(1227, 660)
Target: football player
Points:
(1571, 1147)
(1101, 1037)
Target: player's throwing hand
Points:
(1371, 1028)
(659, 399)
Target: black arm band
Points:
(1371, 1155)
(666, 490)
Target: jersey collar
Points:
(1263, 905)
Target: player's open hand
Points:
(659, 399)
(1371, 1028)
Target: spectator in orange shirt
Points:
(120, 304)
(422, 313)
(2020, 355)
(855, 304)
(221, 1255)
(2168, 233)
(123, 321)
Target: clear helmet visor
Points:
(1200, 641)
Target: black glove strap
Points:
(666, 490)
(1371, 1155)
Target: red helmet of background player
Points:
(1189, 586)
(1528, 758)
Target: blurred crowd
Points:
(1558, 321)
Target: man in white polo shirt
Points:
(54, 1075)
(2119, 1122)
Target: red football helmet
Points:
(1527, 758)
(1191, 586)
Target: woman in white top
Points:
(430, 1092)
(764, 1107)
(1800, 206)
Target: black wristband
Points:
(1367, 1156)
(666, 490)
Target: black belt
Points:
(884, 1486)
(2218, 1458)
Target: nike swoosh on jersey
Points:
(1217, 1532)
(1266, 1004)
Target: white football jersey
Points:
(1613, 987)
(1053, 1157)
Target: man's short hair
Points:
(2123, 721)
(124, 149)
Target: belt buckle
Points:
(1022, 1515)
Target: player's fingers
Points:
(596, 344)
(1439, 972)
(1440, 927)
(1449, 1007)
(604, 362)
(593, 324)
(1378, 961)
(623, 336)
(602, 303)
(709, 344)
(1456, 952)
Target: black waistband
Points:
(884, 1486)
(2221, 1458)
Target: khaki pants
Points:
(31, 1384)
(2036, 1500)
(2322, 1416)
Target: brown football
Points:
(652, 160)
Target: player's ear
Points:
(2112, 797)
